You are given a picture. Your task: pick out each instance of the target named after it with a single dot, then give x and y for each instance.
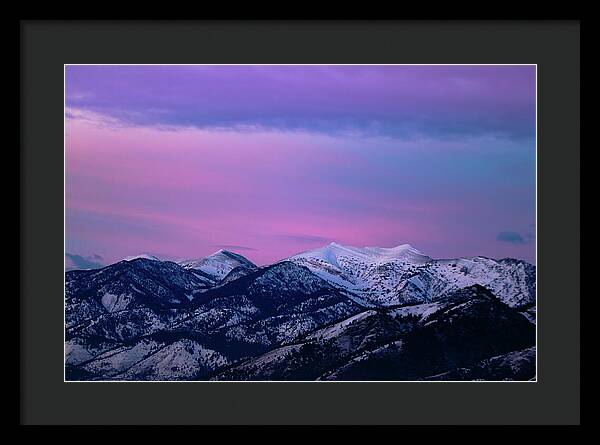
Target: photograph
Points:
(300, 223)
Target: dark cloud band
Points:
(396, 101)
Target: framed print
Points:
(335, 225)
(217, 218)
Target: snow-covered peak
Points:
(334, 252)
(223, 253)
(218, 264)
(402, 274)
(384, 276)
(372, 273)
(145, 256)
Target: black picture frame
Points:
(47, 45)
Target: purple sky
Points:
(267, 161)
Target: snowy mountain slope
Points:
(153, 358)
(219, 264)
(181, 360)
(372, 273)
(469, 325)
(513, 281)
(333, 313)
(320, 350)
(264, 308)
(237, 272)
(530, 314)
(516, 365)
(272, 305)
(402, 275)
(472, 327)
(122, 302)
(81, 349)
(127, 284)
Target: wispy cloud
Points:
(511, 237)
(235, 247)
(306, 239)
(75, 261)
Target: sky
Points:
(268, 161)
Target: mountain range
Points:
(332, 313)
